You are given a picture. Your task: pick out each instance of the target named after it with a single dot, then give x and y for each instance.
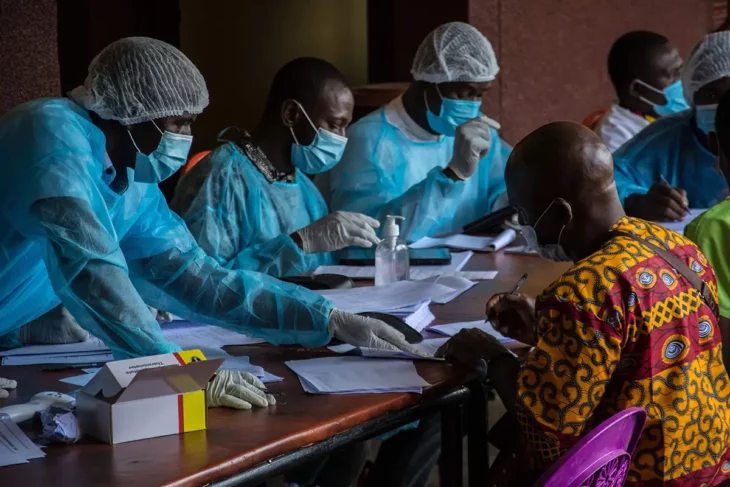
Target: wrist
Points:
(632, 204)
(449, 173)
(297, 240)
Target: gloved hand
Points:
(367, 332)
(471, 144)
(160, 316)
(5, 386)
(55, 327)
(339, 230)
(239, 390)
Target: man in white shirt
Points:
(644, 69)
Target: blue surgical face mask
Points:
(705, 116)
(674, 94)
(452, 114)
(170, 155)
(554, 252)
(322, 154)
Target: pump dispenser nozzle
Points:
(391, 227)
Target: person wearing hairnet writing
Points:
(83, 223)
(668, 167)
(250, 205)
(429, 155)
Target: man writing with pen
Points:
(632, 323)
(668, 167)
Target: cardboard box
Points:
(146, 397)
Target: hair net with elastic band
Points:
(709, 61)
(455, 52)
(138, 79)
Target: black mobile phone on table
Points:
(364, 257)
(491, 223)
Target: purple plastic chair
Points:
(602, 458)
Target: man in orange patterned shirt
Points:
(620, 328)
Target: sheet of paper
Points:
(418, 274)
(680, 226)
(269, 378)
(384, 298)
(453, 328)
(232, 362)
(468, 242)
(14, 443)
(428, 346)
(458, 261)
(458, 285)
(354, 375)
(91, 345)
(86, 358)
(188, 335)
(520, 250)
(78, 380)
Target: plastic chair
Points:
(602, 458)
(193, 161)
(593, 118)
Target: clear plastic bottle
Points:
(392, 263)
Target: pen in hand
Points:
(663, 180)
(516, 288)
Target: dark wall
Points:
(552, 53)
(28, 51)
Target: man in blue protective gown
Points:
(668, 167)
(250, 205)
(429, 155)
(83, 222)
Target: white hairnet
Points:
(455, 52)
(139, 79)
(709, 61)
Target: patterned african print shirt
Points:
(619, 329)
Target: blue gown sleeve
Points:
(495, 162)
(631, 173)
(65, 214)
(220, 221)
(359, 183)
(173, 273)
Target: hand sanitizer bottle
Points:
(392, 263)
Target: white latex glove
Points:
(160, 316)
(472, 143)
(367, 332)
(55, 327)
(339, 230)
(5, 386)
(239, 390)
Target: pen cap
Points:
(391, 226)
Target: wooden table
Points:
(241, 447)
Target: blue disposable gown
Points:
(242, 220)
(383, 172)
(65, 236)
(669, 147)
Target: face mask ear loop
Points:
(133, 142)
(158, 128)
(314, 127)
(560, 235)
(632, 91)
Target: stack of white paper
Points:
(398, 295)
(468, 242)
(184, 334)
(90, 351)
(356, 375)
(15, 446)
(458, 261)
